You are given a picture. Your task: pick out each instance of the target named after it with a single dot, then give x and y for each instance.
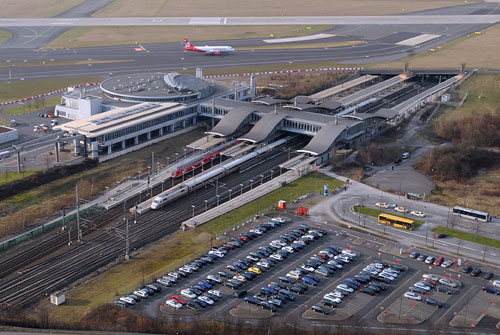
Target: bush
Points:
(483, 130)
(457, 162)
(44, 177)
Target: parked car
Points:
(433, 302)
(488, 275)
(439, 261)
(412, 296)
(382, 205)
(401, 209)
(429, 260)
(418, 213)
(467, 269)
(320, 309)
(491, 289)
(414, 255)
(444, 289)
(475, 272)
(174, 304)
(440, 235)
(496, 283)
(447, 282)
(447, 263)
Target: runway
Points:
(386, 40)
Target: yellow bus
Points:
(396, 221)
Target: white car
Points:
(289, 249)
(300, 242)
(447, 263)
(257, 231)
(332, 298)
(412, 296)
(418, 213)
(496, 283)
(429, 276)
(447, 282)
(174, 275)
(214, 278)
(128, 300)
(349, 253)
(382, 205)
(400, 209)
(386, 276)
(216, 293)
(174, 304)
(141, 293)
(188, 293)
(186, 269)
(307, 268)
(277, 257)
(346, 288)
(240, 278)
(293, 274)
(335, 263)
(206, 299)
(422, 286)
(390, 273)
(278, 219)
(263, 264)
(336, 294)
(216, 253)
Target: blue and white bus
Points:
(471, 214)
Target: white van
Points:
(53, 122)
(405, 155)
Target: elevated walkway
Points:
(264, 127)
(238, 149)
(297, 163)
(330, 92)
(206, 143)
(373, 90)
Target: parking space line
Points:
(450, 309)
(396, 289)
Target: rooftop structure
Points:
(156, 87)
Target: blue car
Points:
(204, 284)
(268, 291)
(309, 281)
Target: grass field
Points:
(220, 8)
(26, 108)
(476, 50)
(375, 213)
(4, 35)
(6, 177)
(487, 241)
(35, 8)
(311, 183)
(96, 36)
(172, 252)
(27, 88)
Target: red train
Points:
(186, 169)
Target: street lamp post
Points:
(206, 205)
(426, 232)
(272, 174)
(185, 153)
(230, 194)
(241, 189)
(291, 194)
(139, 175)
(176, 157)
(261, 179)
(218, 197)
(168, 161)
(193, 208)
(251, 184)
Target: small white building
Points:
(8, 134)
(76, 105)
(57, 298)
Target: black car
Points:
(252, 300)
(304, 286)
(232, 285)
(444, 289)
(488, 275)
(328, 302)
(286, 280)
(367, 290)
(283, 253)
(313, 277)
(398, 267)
(200, 303)
(192, 305)
(196, 291)
(398, 161)
(381, 286)
(421, 258)
(225, 274)
(120, 303)
(417, 290)
(433, 302)
(414, 255)
(232, 268)
(254, 254)
(475, 272)
(246, 276)
(268, 306)
(239, 294)
(361, 279)
(491, 289)
(320, 309)
(296, 289)
(467, 269)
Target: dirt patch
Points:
(219, 8)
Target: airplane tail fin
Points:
(187, 44)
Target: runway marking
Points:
(418, 40)
(298, 39)
(225, 20)
(205, 20)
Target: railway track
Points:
(81, 259)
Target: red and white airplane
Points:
(209, 50)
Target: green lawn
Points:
(9, 176)
(490, 242)
(28, 88)
(4, 35)
(375, 212)
(311, 183)
(32, 106)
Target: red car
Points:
(243, 238)
(229, 245)
(438, 261)
(433, 282)
(179, 299)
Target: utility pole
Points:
(127, 241)
(153, 162)
(80, 239)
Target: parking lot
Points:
(461, 308)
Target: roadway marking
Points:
(298, 39)
(450, 309)
(418, 40)
(390, 295)
(205, 20)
